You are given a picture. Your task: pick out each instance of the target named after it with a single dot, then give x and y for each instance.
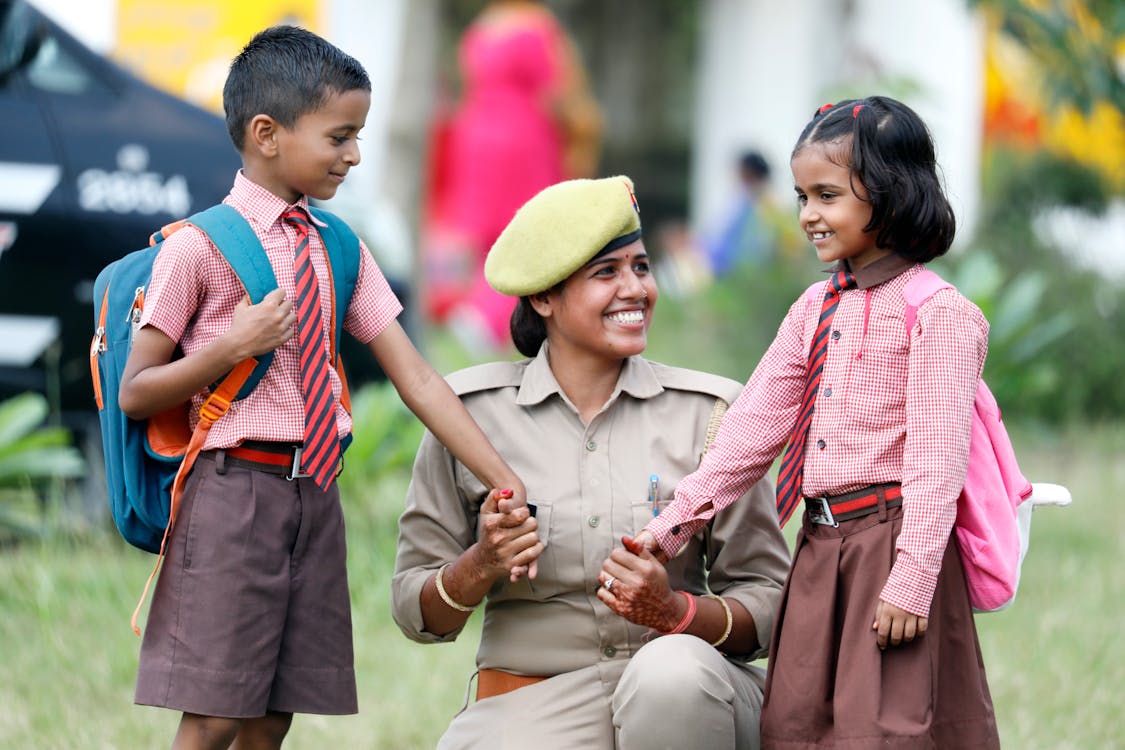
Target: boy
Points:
(250, 621)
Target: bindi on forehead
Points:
(615, 257)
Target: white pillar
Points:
(761, 66)
(92, 22)
(372, 31)
(765, 66)
(938, 44)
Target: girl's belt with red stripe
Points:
(830, 511)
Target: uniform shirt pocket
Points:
(877, 373)
(642, 508)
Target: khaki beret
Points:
(559, 230)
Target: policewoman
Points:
(600, 436)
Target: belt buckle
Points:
(820, 511)
(295, 470)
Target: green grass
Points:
(1055, 661)
(68, 656)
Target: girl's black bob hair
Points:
(890, 152)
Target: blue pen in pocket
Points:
(653, 487)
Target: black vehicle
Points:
(93, 160)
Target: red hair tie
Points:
(855, 110)
(824, 108)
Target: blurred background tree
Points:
(36, 460)
(1076, 42)
(1054, 164)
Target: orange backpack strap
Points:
(213, 408)
(97, 346)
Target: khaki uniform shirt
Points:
(591, 485)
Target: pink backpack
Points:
(993, 520)
(986, 529)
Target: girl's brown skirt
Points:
(829, 685)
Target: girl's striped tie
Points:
(792, 473)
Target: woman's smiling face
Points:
(604, 308)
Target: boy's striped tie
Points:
(790, 477)
(320, 456)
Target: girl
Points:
(875, 643)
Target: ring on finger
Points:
(608, 585)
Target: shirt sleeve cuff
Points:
(909, 587)
(407, 609)
(670, 535)
(761, 602)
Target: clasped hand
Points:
(507, 538)
(639, 591)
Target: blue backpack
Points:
(147, 461)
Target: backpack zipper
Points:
(135, 311)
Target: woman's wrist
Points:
(466, 581)
(445, 595)
(483, 572)
(728, 616)
(685, 609)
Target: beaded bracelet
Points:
(688, 616)
(730, 619)
(445, 597)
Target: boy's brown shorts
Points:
(251, 611)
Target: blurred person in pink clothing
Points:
(525, 120)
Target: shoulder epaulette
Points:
(682, 379)
(487, 376)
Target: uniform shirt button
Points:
(593, 521)
(591, 445)
(827, 392)
(835, 335)
(820, 444)
(609, 652)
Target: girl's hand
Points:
(508, 501)
(895, 626)
(507, 538)
(644, 541)
(640, 591)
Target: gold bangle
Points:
(730, 619)
(445, 597)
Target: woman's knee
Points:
(674, 670)
(676, 692)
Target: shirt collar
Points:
(637, 379)
(875, 273)
(261, 206)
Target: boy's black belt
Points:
(830, 511)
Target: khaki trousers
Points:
(675, 692)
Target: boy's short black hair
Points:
(285, 72)
(890, 152)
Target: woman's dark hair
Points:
(285, 72)
(527, 328)
(892, 155)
